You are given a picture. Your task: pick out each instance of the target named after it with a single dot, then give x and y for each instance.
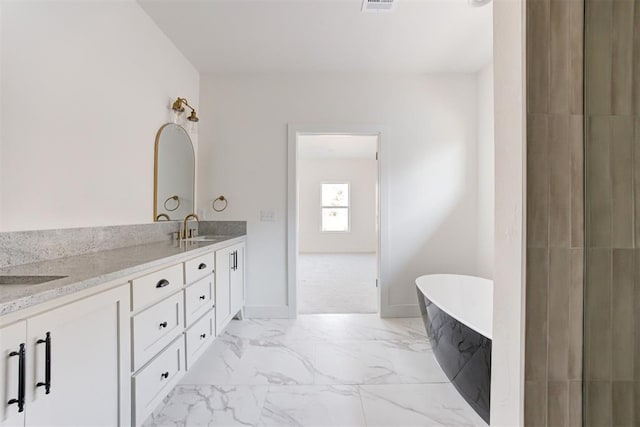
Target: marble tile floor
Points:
(318, 370)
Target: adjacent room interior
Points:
(337, 223)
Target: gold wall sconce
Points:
(178, 108)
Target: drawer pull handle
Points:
(163, 325)
(202, 266)
(47, 363)
(162, 283)
(21, 378)
(202, 297)
(203, 336)
(164, 375)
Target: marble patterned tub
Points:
(457, 311)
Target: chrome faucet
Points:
(185, 234)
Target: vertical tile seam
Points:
(585, 213)
(633, 164)
(546, 403)
(548, 95)
(611, 108)
(610, 255)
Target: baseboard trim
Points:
(401, 310)
(282, 311)
(266, 312)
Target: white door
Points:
(223, 278)
(12, 371)
(237, 278)
(79, 363)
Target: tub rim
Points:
(479, 323)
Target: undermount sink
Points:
(27, 280)
(209, 238)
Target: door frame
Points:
(294, 131)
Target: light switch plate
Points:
(267, 215)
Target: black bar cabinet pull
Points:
(165, 375)
(163, 324)
(162, 283)
(21, 378)
(47, 363)
(202, 266)
(236, 260)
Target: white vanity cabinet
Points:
(76, 364)
(13, 341)
(236, 284)
(229, 284)
(107, 356)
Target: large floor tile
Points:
(414, 362)
(312, 406)
(218, 363)
(275, 363)
(211, 406)
(353, 362)
(416, 405)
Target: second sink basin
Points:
(27, 280)
(210, 238)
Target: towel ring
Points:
(222, 199)
(176, 198)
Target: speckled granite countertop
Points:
(92, 269)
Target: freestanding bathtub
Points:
(458, 314)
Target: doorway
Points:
(334, 223)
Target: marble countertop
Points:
(92, 269)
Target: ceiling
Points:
(337, 147)
(326, 35)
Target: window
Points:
(335, 207)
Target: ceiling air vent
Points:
(377, 5)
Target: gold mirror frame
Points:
(155, 172)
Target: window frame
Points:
(347, 207)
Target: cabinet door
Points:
(12, 339)
(223, 292)
(237, 279)
(81, 353)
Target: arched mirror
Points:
(174, 174)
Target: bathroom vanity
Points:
(109, 340)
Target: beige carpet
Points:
(337, 283)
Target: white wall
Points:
(486, 176)
(1, 116)
(85, 87)
(507, 375)
(428, 161)
(361, 174)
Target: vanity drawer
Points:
(155, 286)
(197, 268)
(199, 336)
(198, 298)
(156, 380)
(156, 327)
